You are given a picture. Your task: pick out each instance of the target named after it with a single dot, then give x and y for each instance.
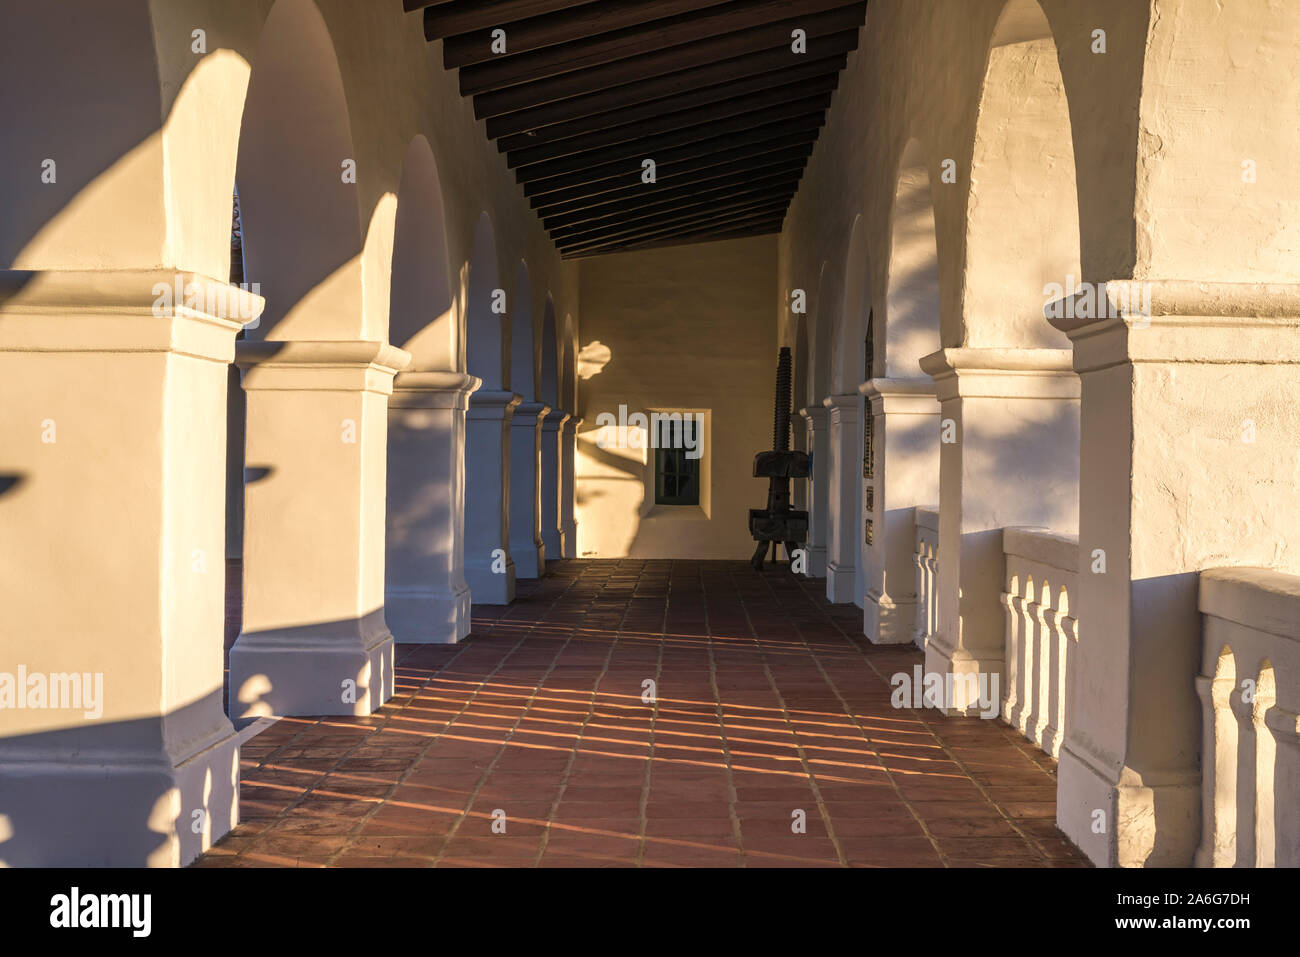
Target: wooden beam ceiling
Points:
(714, 92)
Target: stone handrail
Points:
(926, 558)
(1249, 688)
(1041, 582)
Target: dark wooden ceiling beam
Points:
(716, 191)
(800, 115)
(682, 216)
(707, 221)
(734, 220)
(762, 101)
(767, 18)
(564, 26)
(649, 205)
(442, 20)
(744, 232)
(610, 101)
(625, 174)
(802, 76)
(718, 185)
(683, 57)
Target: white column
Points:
(818, 489)
(844, 483)
(113, 740)
(526, 546)
(426, 597)
(552, 530)
(568, 488)
(1008, 455)
(489, 569)
(904, 466)
(1190, 415)
(314, 638)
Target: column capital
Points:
(529, 414)
(842, 408)
(848, 400)
(433, 390)
(554, 420)
(1002, 373)
(815, 415)
(493, 404)
(119, 311)
(316, 365)
(1138, 321)
(912, 395)
(572, 422)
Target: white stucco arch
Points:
(422, 305)
(484, 338)
(910, 319)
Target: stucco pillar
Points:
(818, 489)
(552, 437)
(526, 546)
(844, 480)
(489, 569)
(1008, 455)
(426, 597)
(314, 638)
(115, 749)
(904, 467)
(1191, 408)
(568, 487)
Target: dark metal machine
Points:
(779, 523)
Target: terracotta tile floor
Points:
(531, 744)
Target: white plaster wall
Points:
(685, 327)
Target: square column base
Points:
(529, 559)
(488, 587)
(116, 806)
(316, 669)
(1115, 824)
(887, 622)
(975, 681)
(841, 583)
(816, 556)
(421, 616)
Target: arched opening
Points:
(297, 182)
(525, 436)
(316, 373)
(911, 315)
(489, 568)
(484, 326)
(1023, 229)
(293, 221)
(549, 482)
(426, 598)
(1011, 455)
(799, 361)
(523, 360)
(900, 460)
(851, 370)
(550, 382)
(422, 303)
(826, 307)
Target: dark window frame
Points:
(674, 471)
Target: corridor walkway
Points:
(767, 707)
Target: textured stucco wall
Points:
(686, 327)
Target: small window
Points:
(677, 476)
